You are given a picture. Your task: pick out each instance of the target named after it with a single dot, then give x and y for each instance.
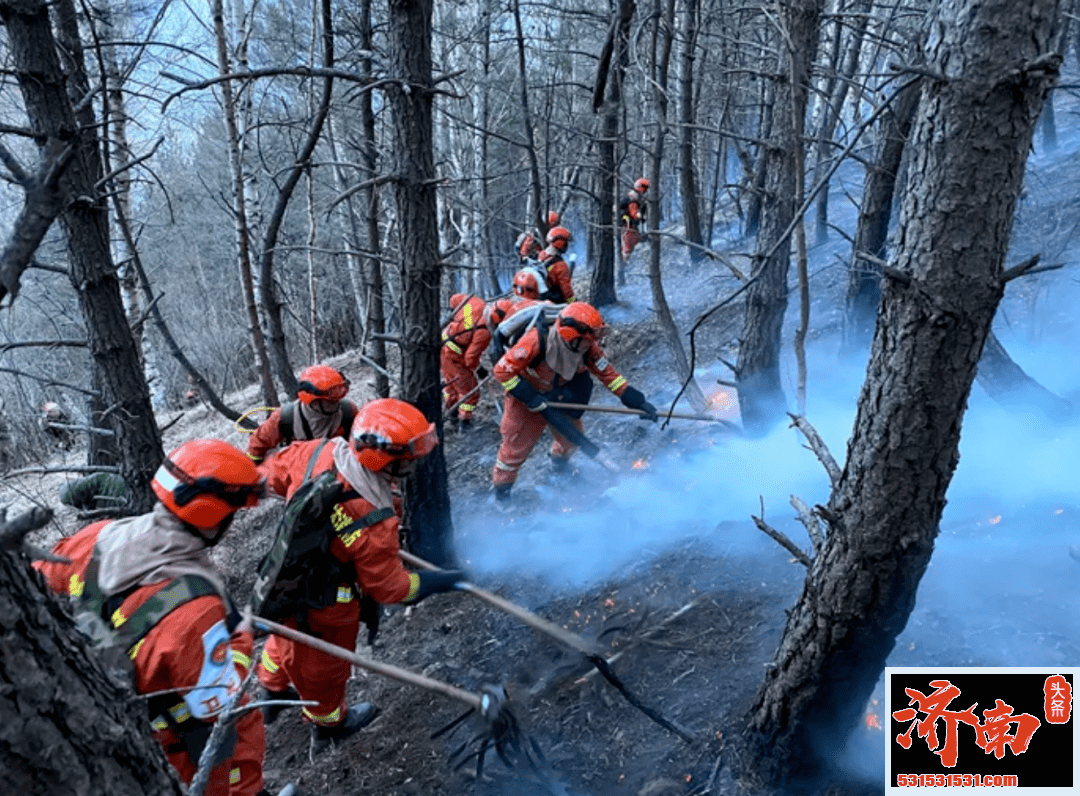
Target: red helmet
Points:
(205, 481)
(578, 320)
(553, 218)
(558, 235)
(321, 383)
(387, 430)
(641, 185)
(527, 283)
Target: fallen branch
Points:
(818, 446)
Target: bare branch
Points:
(817, 445)
(783, 541)
(810, 520)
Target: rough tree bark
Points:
(410, 98)
(761, 394)
(991, 63)
(68, 727)
(688, 183)
(47, 87)
(607, 99)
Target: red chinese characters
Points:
(1057, 699)
(991, 734)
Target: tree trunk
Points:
(663, 26)
(409, 62)
(688, 184)
(609, 86)
(1008, 384)
(271, 307)
(243, 231)
(761, 394)
(974, 129)
(47, 96)
(872, 228)
(69, 727)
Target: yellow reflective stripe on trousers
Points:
(334, 717)
(268, 663)
(511, 383)
(453, 347)
(619, 382)
(234, 776)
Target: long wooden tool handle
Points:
(385, 669)
(561, 634)
(625, 410)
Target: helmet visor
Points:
(185, 489)
(334, 393)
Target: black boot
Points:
(356, 718)
(271, 712)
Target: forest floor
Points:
(662, 568)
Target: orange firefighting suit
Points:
(189, 646)
(632, 213)
(376, 569)
(307, 423)
(464, 339)
(521, 428)
(559, 287)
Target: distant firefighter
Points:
(530, 242)
(97, 491)
(632, 216)
(52, 418)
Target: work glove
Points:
(436, 581)
(633, 399)
(481, 373)
(528, 395)
(370, 615)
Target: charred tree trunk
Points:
(410, 99)
(761, 394)
(688, 183)
(70, 728)
(875, 211)
(47, 88)
(974, 128)
(607, 98)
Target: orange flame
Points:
(995, 520)
(872, 721)
(640, 464)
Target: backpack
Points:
(540, 315)
(288, 411)
(299, 572)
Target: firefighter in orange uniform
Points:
(464, 340)
(320, 410)
(388, 437)
(526, 288)
(150, 579)
(557, 273)
(553, 365)
(632, 214)
(528, 243)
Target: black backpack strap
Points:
(179, 591)
(285, 422)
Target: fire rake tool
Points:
(563, 636)
(503, 732)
